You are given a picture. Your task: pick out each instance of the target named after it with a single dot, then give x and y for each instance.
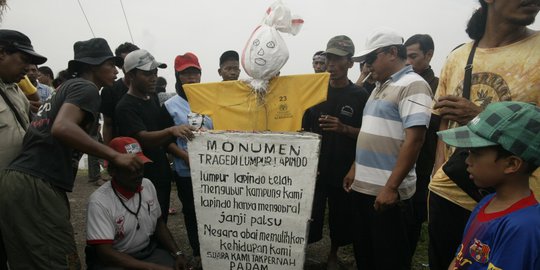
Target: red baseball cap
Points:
(128, 145)
(182, 62)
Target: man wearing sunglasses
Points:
(382, 178)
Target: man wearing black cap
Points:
(229, 66)
(16, 53)
(338, 120)
(34, 210)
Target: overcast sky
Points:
(207, 28)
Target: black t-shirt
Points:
(337, 150)
(426, 157)
(43, 155)
(110, 96)
(135, 115)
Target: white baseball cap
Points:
(379, 38)
(141, 59)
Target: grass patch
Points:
(420, 259)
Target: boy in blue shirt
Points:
(503, 231)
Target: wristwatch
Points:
(178, 253)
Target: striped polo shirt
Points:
(392, 107)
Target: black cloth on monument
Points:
(110, 96)
(337, 150)
(43, 155)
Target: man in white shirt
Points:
(124, 225)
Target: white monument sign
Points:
(253, 197)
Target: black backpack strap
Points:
(468, 73)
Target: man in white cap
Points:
(382, 178)
(138, 115)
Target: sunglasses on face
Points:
(372, 57)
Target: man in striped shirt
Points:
(383, 177)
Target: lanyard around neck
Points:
(136, 214)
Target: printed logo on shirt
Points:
(283, 109)
(486, 87)
(119, 228)
(461, 262)
(479, 251)
(45, 107)
(347, 110)
(493, 267)
(39, 122)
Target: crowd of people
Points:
(399, 147)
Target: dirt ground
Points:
(315, 257)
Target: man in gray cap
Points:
(34, 208)
(338, 120)
(16, 53)
(382, 178)
(138, 113)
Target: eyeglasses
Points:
(372, 57)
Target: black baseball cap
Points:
(21, 42)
